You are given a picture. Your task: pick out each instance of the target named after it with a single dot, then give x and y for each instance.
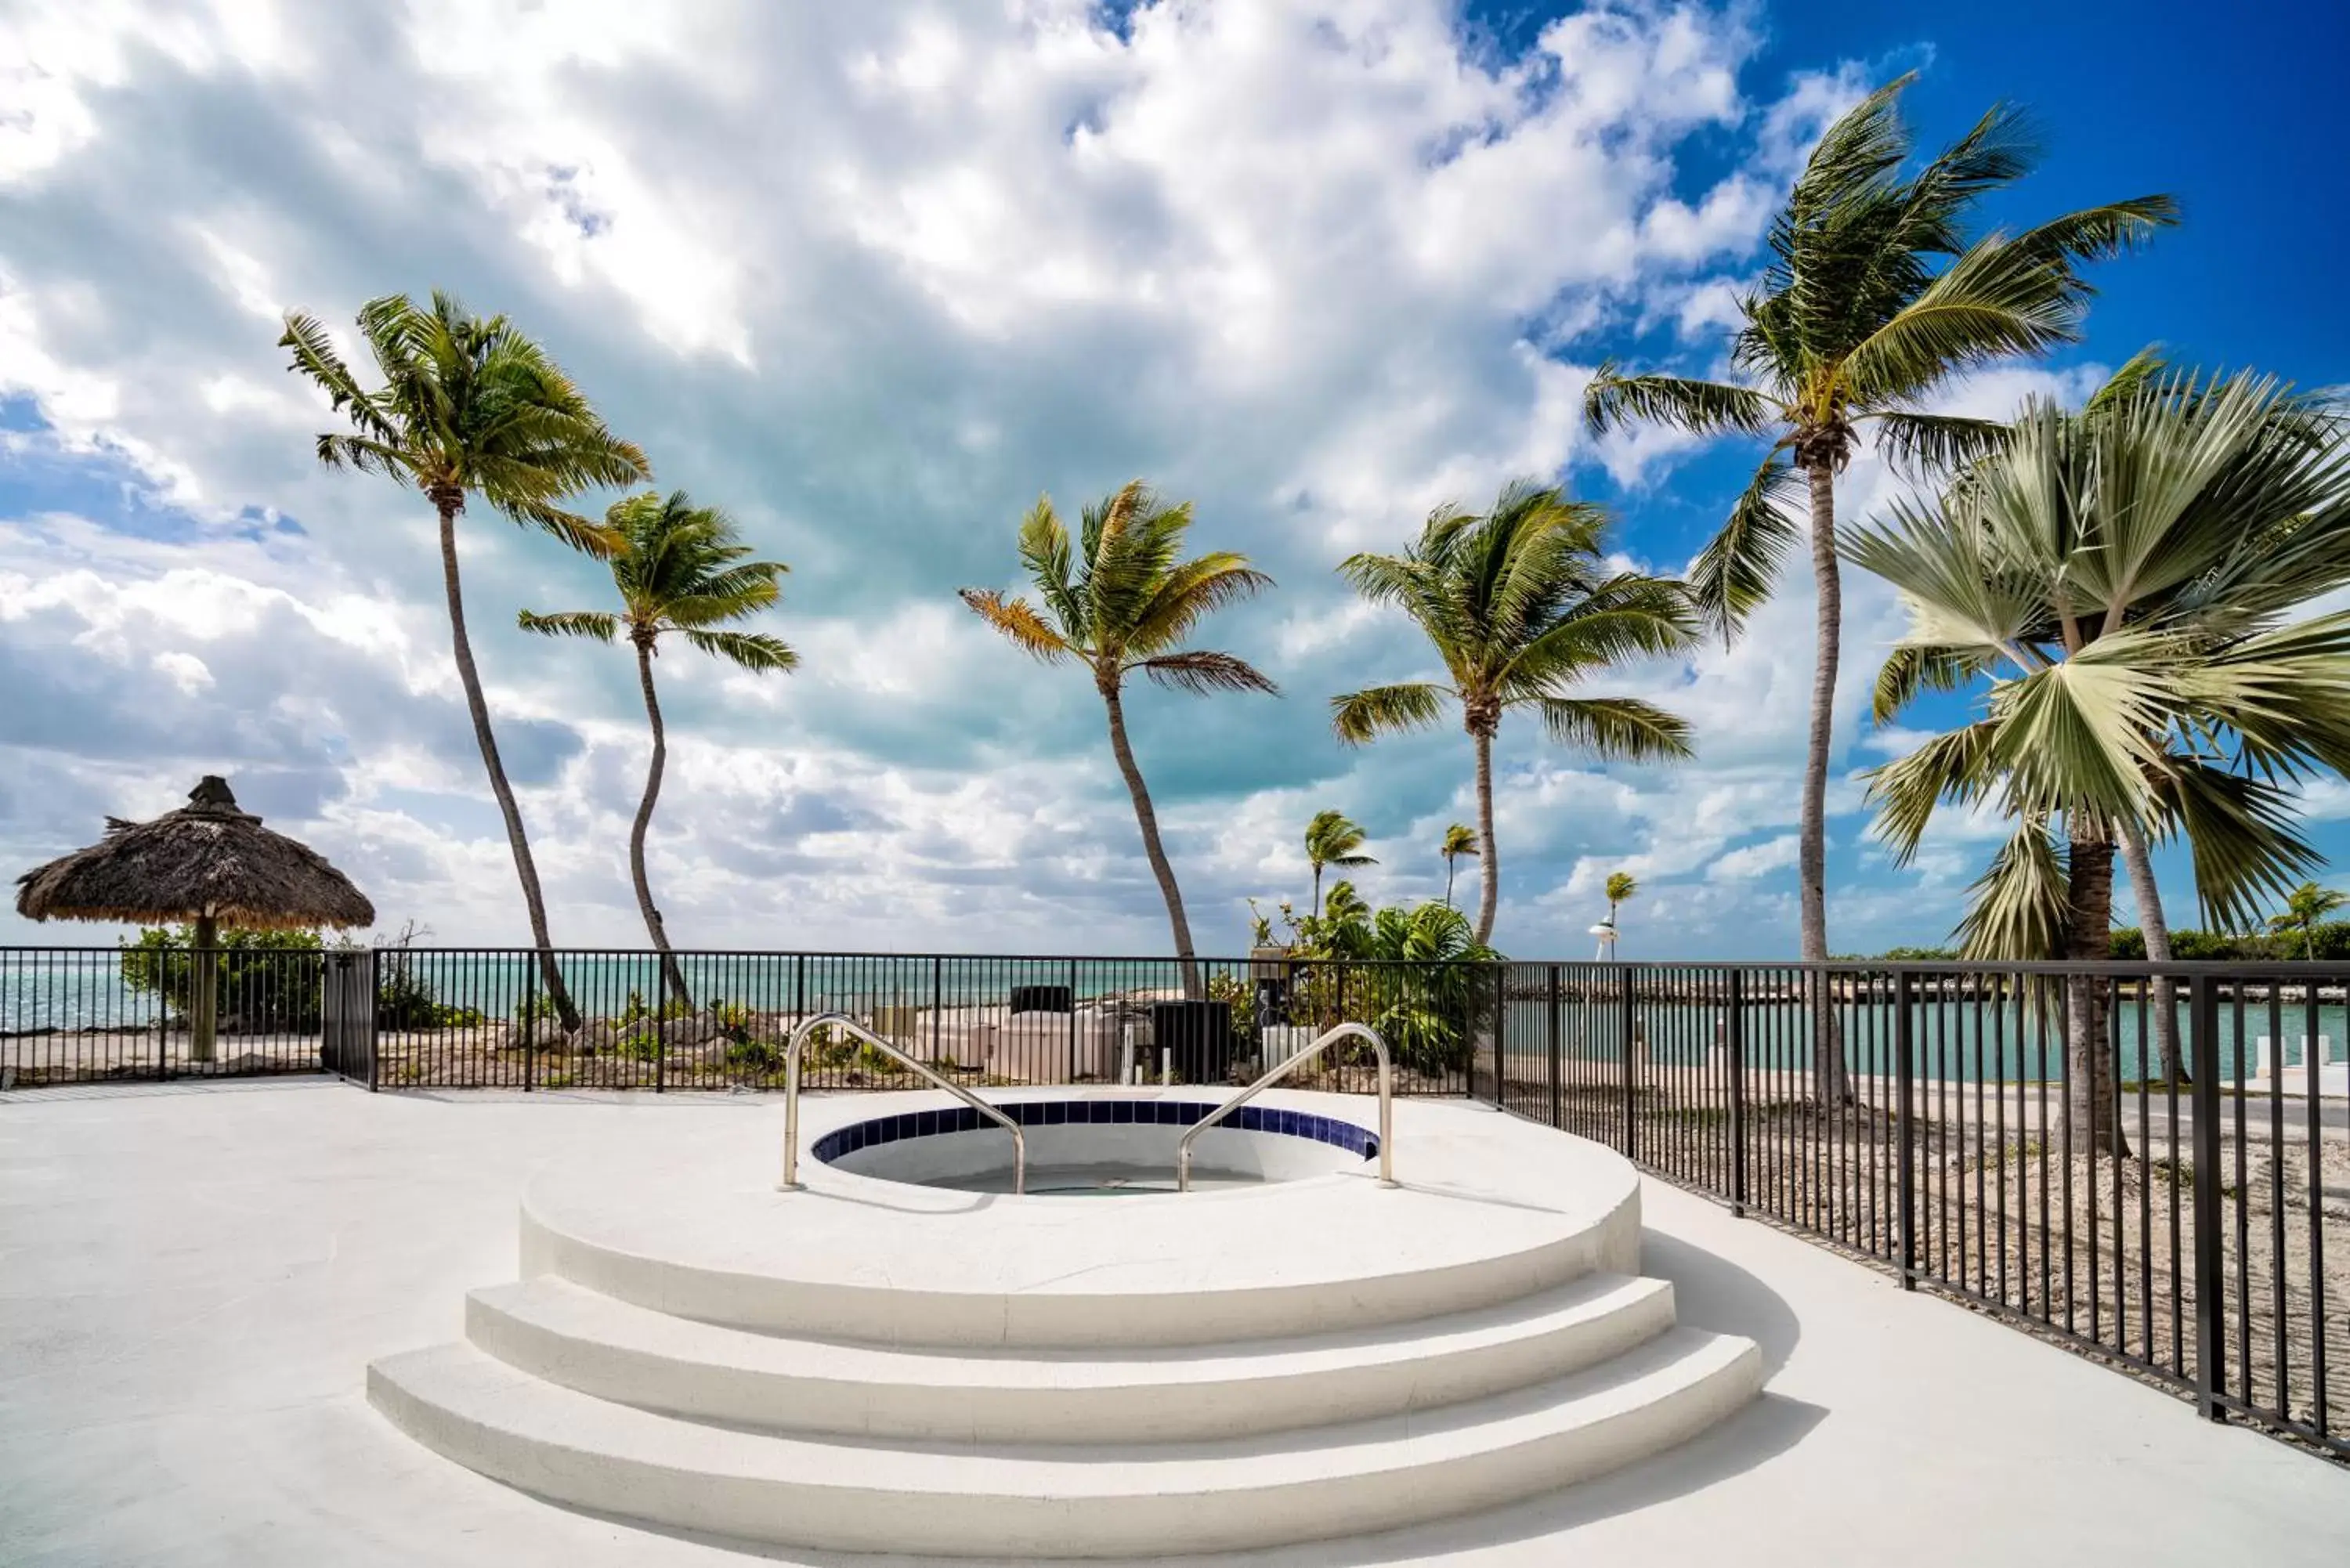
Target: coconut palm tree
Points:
(1875, 296)
(2304, 906)
(1620, 888)
(1123, 601)
(679, 568)
(1332, 841)
(1460, 839)
(1521, 609)
(2126, 582)
(468, 406)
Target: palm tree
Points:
(2125, 580)
(1620, 888)
(1855, 324)
(1460, 839)
(1123, 601)
(1332, 841)
(679, 568)
(469, 405)
(2304, 906)
(1521, 609)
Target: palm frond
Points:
(1702, 408)
(1959, 767)
(1018, 620)
(1359, 717)
(1620, 728)
(1199, 672)
(1918, 443)
(1914, 668)
(753, 650)
(2019, 909)
(1734, 572)
(597, 625)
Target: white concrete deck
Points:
(192, 1279)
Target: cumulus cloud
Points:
(872, 278)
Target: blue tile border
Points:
(1105, 1112)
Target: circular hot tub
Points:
(1096, 1146)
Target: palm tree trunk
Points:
(673, 978)
(2151, 921)
(1489, 874)
(204, 997)
(1812, 843)
(1318, 889)
(450, 505)
(1148, 820)
(1452, 868)
(2093, 1107)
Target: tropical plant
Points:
(679, 568)
(1875, 296)
(1460, 839)
(1332, 841)
(1123, 600)
(1520, 608)
(1620, 888)
(2304, 906)
(469, 405)
(2124, 580)
(261, 978)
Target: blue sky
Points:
(872, 278)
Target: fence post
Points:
(660, 1029)
(529, 1027)
(1734, 1036)
(1500, 1013)
(1631, 1023)
(374, 992)
(1905, 1128)
(1557, 1112)
(2211, 1369)
(937, 1007)
(1073, 1025)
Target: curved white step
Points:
(567, 1334)
(1061, 1502)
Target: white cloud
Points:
(872, 276)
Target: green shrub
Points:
(273, 979)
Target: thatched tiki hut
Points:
(206, 862)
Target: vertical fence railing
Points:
(2007, 1132)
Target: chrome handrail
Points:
(1387, 1102)
(791, 1181)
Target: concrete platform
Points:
(192, 1277)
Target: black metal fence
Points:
(2150, 1164)
(478, 1018)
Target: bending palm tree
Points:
(2304, 906)
(470, 406)
(1122, 601)
(1460, 839)
(1854, 325)
(1332, 841)
(2126, 581)
(680, 568)
(1518, 606)
(1620, 888)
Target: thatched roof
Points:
(206, 858)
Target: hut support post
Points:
(204, 999)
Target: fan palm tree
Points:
(1332, 841)
(1620, 888)
(1123, 601)
(679, 568)
(2304, 906)
(1521, 608)
(468, 406)
(1874, 297)
(2126, 581)
(1460, 839)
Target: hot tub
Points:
(1098, 1146)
